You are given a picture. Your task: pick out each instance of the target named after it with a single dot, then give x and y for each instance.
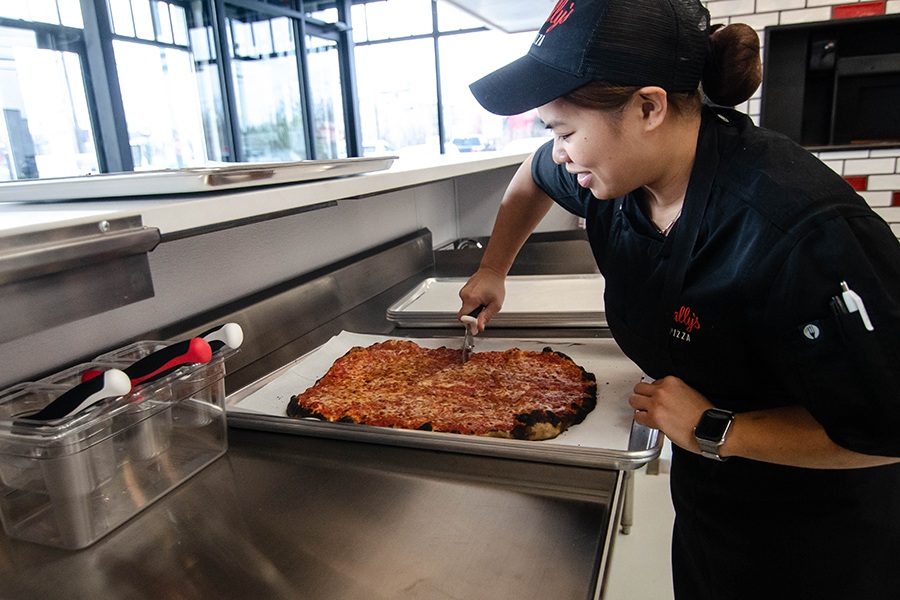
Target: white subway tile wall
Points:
(874, 173)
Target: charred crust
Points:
(520, 432)
(585, 375)
(296, 411)
(539, 416)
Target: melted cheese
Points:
(400, 384)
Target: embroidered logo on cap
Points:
(560, 13)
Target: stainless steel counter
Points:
(290, 516)
(293, 517)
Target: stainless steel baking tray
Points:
(187, 181)
(531, 301)
(607, 438)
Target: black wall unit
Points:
(834, 83)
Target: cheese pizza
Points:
(512, 394)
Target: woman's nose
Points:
(559, 154)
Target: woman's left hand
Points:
(671, 406)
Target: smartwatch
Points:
(711, 430)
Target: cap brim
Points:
(523, 84)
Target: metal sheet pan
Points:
(531, 301)
(608, 437)
(187, 181)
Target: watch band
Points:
(711, 432)
(711, 450)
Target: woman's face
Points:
(604, 150)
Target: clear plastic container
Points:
(74, 375)
(67, 483)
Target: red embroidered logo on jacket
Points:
(686, 317)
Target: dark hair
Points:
(732, 74)
(611, 98)
(733, 69)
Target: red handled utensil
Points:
(164, 361)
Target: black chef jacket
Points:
(742, 300)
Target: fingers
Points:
(483, 289)
(471, 298)
(642, 417)
(484, 316)
(671, 406)
(645, 388)
(647, 400)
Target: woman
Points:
(747, 278)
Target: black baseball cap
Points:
(622, 42)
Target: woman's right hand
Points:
(486, 288)
(523, 207)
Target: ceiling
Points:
(510, 16)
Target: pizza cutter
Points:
(470, 321)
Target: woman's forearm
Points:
(523, 207)
(791, 436)
(787, 436)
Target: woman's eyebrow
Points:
(550, 124)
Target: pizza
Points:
(397, 383)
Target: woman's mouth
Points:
(584, 179)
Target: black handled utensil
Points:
(108, 384)
(229, 335)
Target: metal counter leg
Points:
(627, 519)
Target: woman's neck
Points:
(664, 197)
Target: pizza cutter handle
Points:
(471, 320)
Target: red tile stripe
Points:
(858, 9)
(895, 199)
(860, 183)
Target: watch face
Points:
(713, 424)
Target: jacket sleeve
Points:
(845, 374)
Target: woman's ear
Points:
(654, 105)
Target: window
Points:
(280, 80)
(397, 71)
(45, 129)
(162, 106)
(395, 108)
(464, 59)
(271, 124)
(327, 107)
(54, 12)
(158, 85)
(396, 19)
